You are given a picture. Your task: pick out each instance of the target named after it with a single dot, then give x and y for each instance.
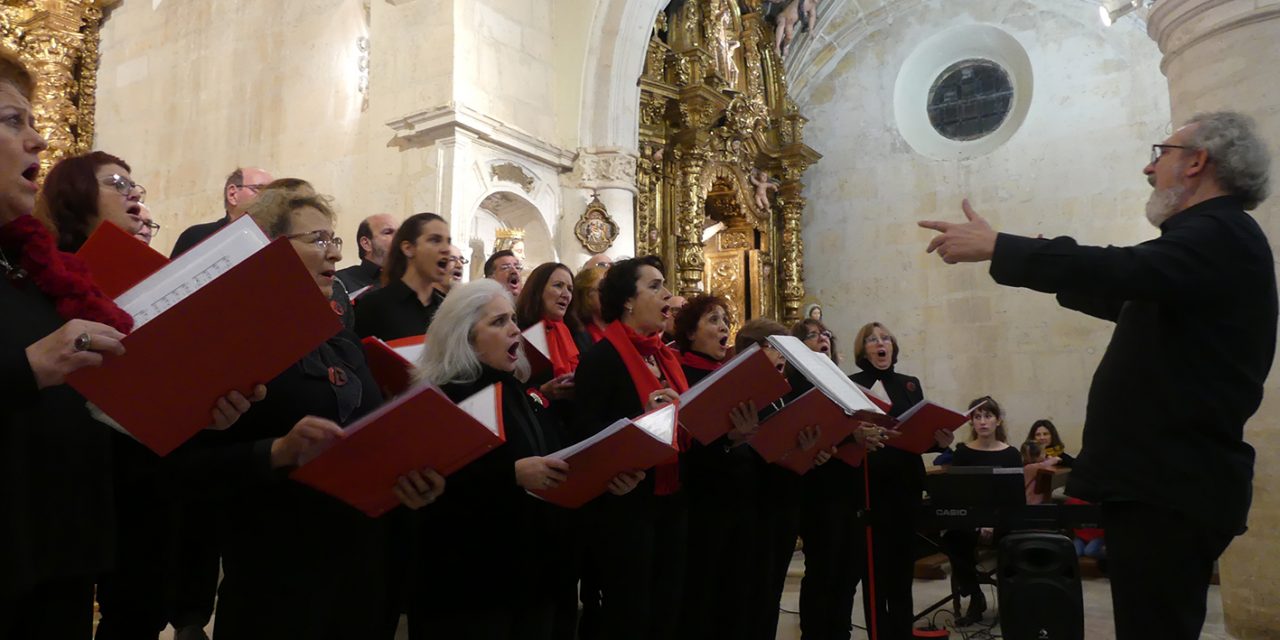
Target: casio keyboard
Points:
(964, 497)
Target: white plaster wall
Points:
(1073, 168)
(504, 63)
(189, 91)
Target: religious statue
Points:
(724, 42)
(813, 312)
(596, 230)
(795, 14)
(760, 179)
(510, 239)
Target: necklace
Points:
(11, 271)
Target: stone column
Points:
(1221, 55)
(609, 174)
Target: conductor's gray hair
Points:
(1243, 161)
(449, 355)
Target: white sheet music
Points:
(824, 374)
(190, 271)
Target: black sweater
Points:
(295, 561)
(1195, 313)
(56, 517)
(896, 476)
(604, 392)
(485, 532)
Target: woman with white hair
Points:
(506, 555)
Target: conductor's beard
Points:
(1163, 203)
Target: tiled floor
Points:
(1097, 609)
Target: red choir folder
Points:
(825, 375)
(536, 350)
(749, 376)
(393, 363)
(877, 395)
(117, 260)
(626, 445)
(777, 439)
(918, 424)
(241, 327)
(421, 429)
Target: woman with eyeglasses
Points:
(298, 563)
(834, 541)
(82, 192)
(896, 482)
(56, 461)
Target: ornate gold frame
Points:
(714, 109)
(58, 39)
(596, 211)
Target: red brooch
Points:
(337, 377)
(538, 398)
(911, 386)
(337, 308)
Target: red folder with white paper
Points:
(393, 363)
(749, 376)
(918, 424)
(825, 375)
(536, 350)
(777, 441)
(117, 261)
(231, 313)
(624, 446)
(421, 429)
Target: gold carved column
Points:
(58, 39)
(689, 259)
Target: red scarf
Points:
(596, 333)
(61, 276)
(562, 349)
(698, 361)
(634, 348)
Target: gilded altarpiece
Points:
(721, 147)
(58, 40)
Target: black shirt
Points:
(363, 275)
(395, 312)
(55, 460)
(195, 233)
(966, 457)
(1195, 313)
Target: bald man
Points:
(669, 332)
(241, 188)
(598, 260)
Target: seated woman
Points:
(1043, 433)
(1033, 461)
(988, 446)
(297, 563)
(494, 562)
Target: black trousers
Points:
(638, 545)
(194, 560)
(1161, 561)
(893, 513)
(131, 597)
(781, 515)
(60, 610)
(727, 571)
(961, 547)
(834, 551)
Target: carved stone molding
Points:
(603, 169)
(1178, 25)
(429, 125)
(514, 173)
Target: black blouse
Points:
(394, 311)
(56, 514)
(1008, 457)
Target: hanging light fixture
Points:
(1109, 16)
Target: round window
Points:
(970, 99)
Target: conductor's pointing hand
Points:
(972, 241)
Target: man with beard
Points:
(1195, 312)
(373, 241)
(456, 263)
(504, 267)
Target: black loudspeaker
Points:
(1039, 588)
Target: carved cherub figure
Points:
(784, 30)
(760, 179)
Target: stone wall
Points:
(1072, 168)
